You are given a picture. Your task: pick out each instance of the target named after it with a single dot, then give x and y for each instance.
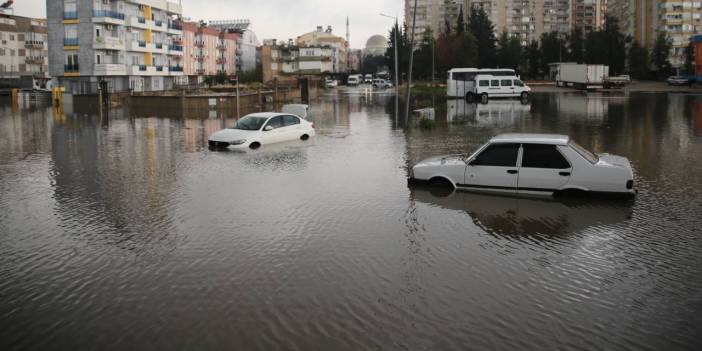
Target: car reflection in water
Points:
(520, 217)
(495, 113)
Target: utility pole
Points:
(411, 62)
(396, 29)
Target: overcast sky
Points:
(281, 19)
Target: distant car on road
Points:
(680, 80)
(258, 129)
(381, 84)
(531, 164)
(354, 81)
(368, 79)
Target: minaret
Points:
(348, 34)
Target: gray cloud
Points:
(281, 19)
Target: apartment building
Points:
(589, 15)
(23, 52)
(287, 62)
(247, 42)
(325, 38)
(430, 14)
(130, 44)
(644, 19)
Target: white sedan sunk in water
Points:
(533, 164)
(259, 129)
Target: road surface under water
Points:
(121, 233)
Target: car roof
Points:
(264, 114)
(529, 138)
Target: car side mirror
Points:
(267, 128)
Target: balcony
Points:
(158, 46)
(110, 69)
(200, 58)
(176, 69)
(221, 47)
(143, 23)
(71, 42)
(143, 70)
(176, 50)
(71, 68)
(108, 43)
(200, 71)
(34, 60)
(70, 15)
(221, 60)
(109, 17)
(33, 44)
(200, 43)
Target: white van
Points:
(369, 79)
(461, 80)
(353, 81)
(490, 86)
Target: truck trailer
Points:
(580, 76)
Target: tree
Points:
(638, 61)
(372, 64)
(402, 45)
(423, 56)
(689, 66)
(552, 47)
(458, 50)
(447, 28)
(615, 45)
(576, 46)
(509, 52)
(532, 60)
(484, 32)
(659, 55)
(461, 25)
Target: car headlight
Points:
(238, 142)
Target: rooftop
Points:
(554, 139)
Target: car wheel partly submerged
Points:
(255, 145)
(304, 137)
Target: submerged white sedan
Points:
(258, 129)
(533, 164)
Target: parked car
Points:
(331, 83)
(489, 86)
(532, 164)
(381, 84)
(354, 80)
(258, 129)
(368, 79)
(680, 80)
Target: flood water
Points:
(120, 233)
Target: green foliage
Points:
(221, 78)
(552, 50)
(427, 124)
(484, 32)
(509, 52)
(659, 56)
(576, 46)
(607, 47)
(252, 76)
(458, 50)
(689, 67)
(402, 51)
(423, 56)
(373, 64)
(638, 61)
(532, 60)
(461, 25)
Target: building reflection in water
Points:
(698, 117)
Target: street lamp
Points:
(397, 85)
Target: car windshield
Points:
(587, 154)
(250, 123)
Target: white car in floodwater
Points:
(532, 164)
(258, 129)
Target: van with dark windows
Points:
(461, 80)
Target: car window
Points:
(289, 120)
(275, 122)
(498, 155)
(495, 83)
(585, 153)
(518, 83)
(506, 83)
(543, 156)
(484, 83)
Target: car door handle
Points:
(564, 174)
(512, 171)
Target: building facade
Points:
(644, 19)
(23, 52)
(589, 15)
(287, 62)
(131, 44)
(338, 46)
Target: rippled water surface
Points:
(121, 233)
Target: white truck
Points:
(581, 76)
